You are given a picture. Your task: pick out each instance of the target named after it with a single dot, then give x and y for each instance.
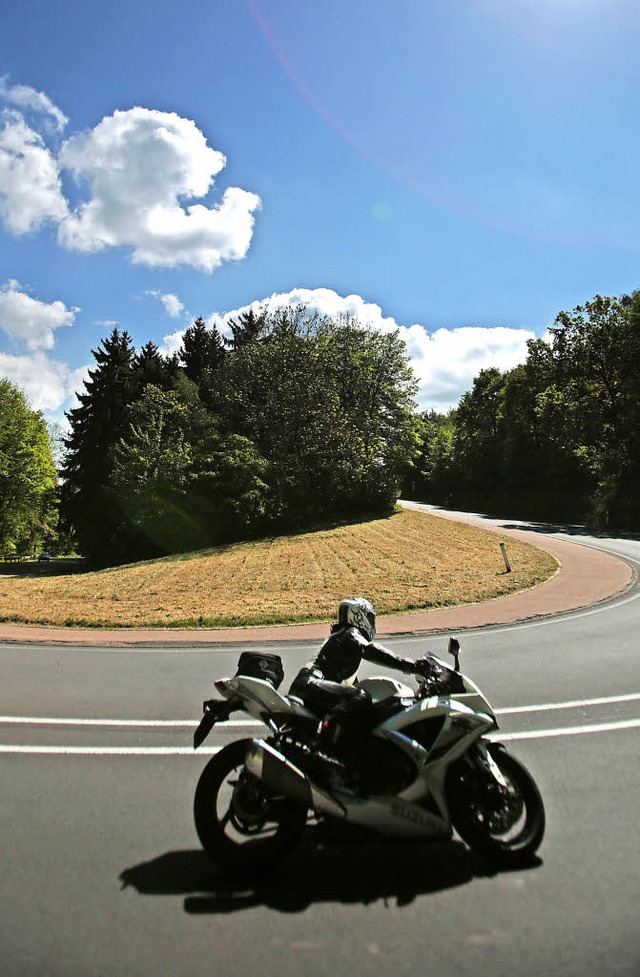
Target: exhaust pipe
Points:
(283, 777)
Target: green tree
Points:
(96, 426)
(559, 436)
(590, 411)
(202, 351)
(150, 366)
(301, 417)
(478, 448)
(435, 474)
(28, 478)
(202, 354)
(179, 485)
(247, 328)
(329, 405)
(150, 475)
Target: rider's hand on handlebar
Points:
(425, 667)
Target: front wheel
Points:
(241, 825)
(505, 823)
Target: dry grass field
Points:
(408, 561)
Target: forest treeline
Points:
(292, 419)
(557, 437)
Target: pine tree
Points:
(150, 366)
(96, 426)
(202, 351)
(247, 328)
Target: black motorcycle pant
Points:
(347, 710)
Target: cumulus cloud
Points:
(322, 300)
(47, 383)
(28, 99)
(171, 344)
(30, 188)
(172, 304)
(144, 179)
(445, 361)
(29, 320)
(141, 165)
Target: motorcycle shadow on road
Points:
(348, 872)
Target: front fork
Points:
(489, 765)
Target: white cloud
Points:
(29, 320)
(30, 189)
(141, 165)
(148, 174)
(172, 304)
(171, 344)
(47, 383)
(24, 97)
(322, 300)
(445, 361)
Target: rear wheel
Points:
(505, 823)
(241, 825)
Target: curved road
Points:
(102, 874)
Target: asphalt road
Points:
(102, 872)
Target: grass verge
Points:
(407, 561)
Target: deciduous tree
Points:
(28, 478)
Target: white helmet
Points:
(356, 612)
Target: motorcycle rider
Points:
(328, 686)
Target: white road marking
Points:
(571, 704)
(187, 723)
(190, 723)
(539, 734)
(114, 750)
(557, 617)
(188, 751)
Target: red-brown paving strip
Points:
(586, 576)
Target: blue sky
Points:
(460, 169)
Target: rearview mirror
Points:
(454, 651)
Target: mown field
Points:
(407, 561)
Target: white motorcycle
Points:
(428, 768)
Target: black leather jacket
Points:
(340, 656)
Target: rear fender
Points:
(259, 697)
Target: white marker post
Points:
(505, 557)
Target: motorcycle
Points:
(429, 767)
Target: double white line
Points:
(623, 724)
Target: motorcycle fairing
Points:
(472, 696)
(381, 687)
(392, 816)
(460, 727)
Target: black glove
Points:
(425, 667)
(440, 680)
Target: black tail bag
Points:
(257, 665)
